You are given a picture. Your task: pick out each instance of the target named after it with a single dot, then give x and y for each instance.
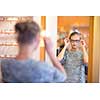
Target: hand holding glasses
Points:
(66, 41)
(83, 43)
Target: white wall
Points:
(51, 30)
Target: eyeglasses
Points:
(77, 41)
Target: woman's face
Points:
(75, 41)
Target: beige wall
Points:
(96, 49)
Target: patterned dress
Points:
(73, 64)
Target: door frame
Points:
(90, 55)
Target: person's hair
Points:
(74, 33)
(27, 31)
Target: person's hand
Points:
(66, 41)
(83, 43)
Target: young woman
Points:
(74, 58)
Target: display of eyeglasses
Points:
(8, 43)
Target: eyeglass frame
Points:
(77, 41)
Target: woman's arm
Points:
(85, 54)
(61, 54)
(56, 63)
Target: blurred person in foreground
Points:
(23, 69)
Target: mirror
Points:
(74, 60)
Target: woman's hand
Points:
(85, 54)
(67, 42)
(83, 43)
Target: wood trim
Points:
(90, 63)
(42, 49)
(43, 22)
(42, 53)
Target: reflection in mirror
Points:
(72, 46)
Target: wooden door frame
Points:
(90, 63)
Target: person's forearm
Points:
(61, 54)
(55, 62)
(85, 55)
